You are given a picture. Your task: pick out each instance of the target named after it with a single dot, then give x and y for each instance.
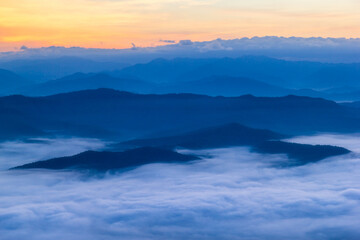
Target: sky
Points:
(119, 23)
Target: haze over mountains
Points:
(81, 81)
(259, 76)
(323, 62)
(292, 74)
(42, 70)
(164, 94)
(226, 139)
(110, 114)
(161, 98)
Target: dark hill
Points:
(236, 135)
(352, 104)
(214, 137)
(104, 161)
(301, 153)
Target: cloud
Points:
(351, 142)
(185, 42)
(234, 194)
(167, 41)
(292, 48)
(14, 153)
(215, 45)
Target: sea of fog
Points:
(232, 193)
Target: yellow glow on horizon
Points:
(118, 23)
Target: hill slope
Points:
(237, 135)
(104, 161)
(288, 74)
(10, 81)
(300, 154)
(214, 137)
(127, 115)
(80, 81)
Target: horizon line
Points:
(134, 46)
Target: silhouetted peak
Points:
(104, 161)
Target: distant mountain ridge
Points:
(224, 86)
(256, 75)
(288, 74)
(81, 81)
(104, 113)
(213, 86)
(41, 70)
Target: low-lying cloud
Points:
(14, 153)
(235, 194)
(351, 142)
(292, 48)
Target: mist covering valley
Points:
(231, 193)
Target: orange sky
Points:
(118, 23)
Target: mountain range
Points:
(82, 81)
(212, 86)
(42, 70)
(111, 114)
(288, 74)
(259, 76)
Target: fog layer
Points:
(230, 194)
(14, 153)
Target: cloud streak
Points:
(234, 194)
(293, 48)
(14, 153)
